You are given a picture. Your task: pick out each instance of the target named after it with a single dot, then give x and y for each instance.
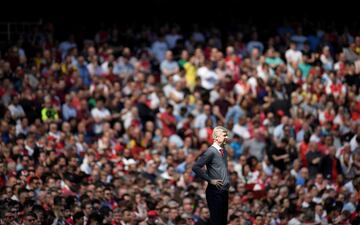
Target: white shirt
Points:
(293, 56)
(349, 187)
(177, 106)
(353, 143)
(16, 110)
(85, 167)
(279, 132)
(171, 39)
(208, 78)
(198, 37)
(159, 49)
(20, 129)
(100, 113)
(299, 39)
(65, 46)
(252, 81)
(217, 147)
(238, 168)
(105, 67)
(255, 44)
(154, 100)
(242, 131)
(127, 119)
(167, 89)
(200, 121)
(214, 95)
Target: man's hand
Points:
(217, 183)
(316, 160)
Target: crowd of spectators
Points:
(105, 130)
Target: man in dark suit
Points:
(217, 176)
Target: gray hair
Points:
(219, 129)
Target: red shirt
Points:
(355, 112)
(209, 131)
(334, 172)
(168, 122)
(232, 64)
(303, 149)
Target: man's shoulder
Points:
(200, 116)
(94, 110)
(211, 148)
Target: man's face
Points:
(127, 216)
(173, 213)
(305, 173)
(36, 183)
(293, 46)
(169, 56)
(30, 220)
(107, 218)
(319, 178)
(207, 109)
(81, 61)
(259, 220)
(80, 221)
(16, 100)
(117, 217)
(9, 217)
(165, 213)
(99, 192)
(169, 110)
(99, 104)
(187, 205)
(67, 213)
(107, 194)
(25, 162)
(318, 209)
(152, 219)
(88, 209)
(2, 168)
(222, 137)
(205, 213)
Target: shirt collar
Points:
(217, 146)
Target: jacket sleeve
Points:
(203, 159)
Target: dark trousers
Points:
(218, 201)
